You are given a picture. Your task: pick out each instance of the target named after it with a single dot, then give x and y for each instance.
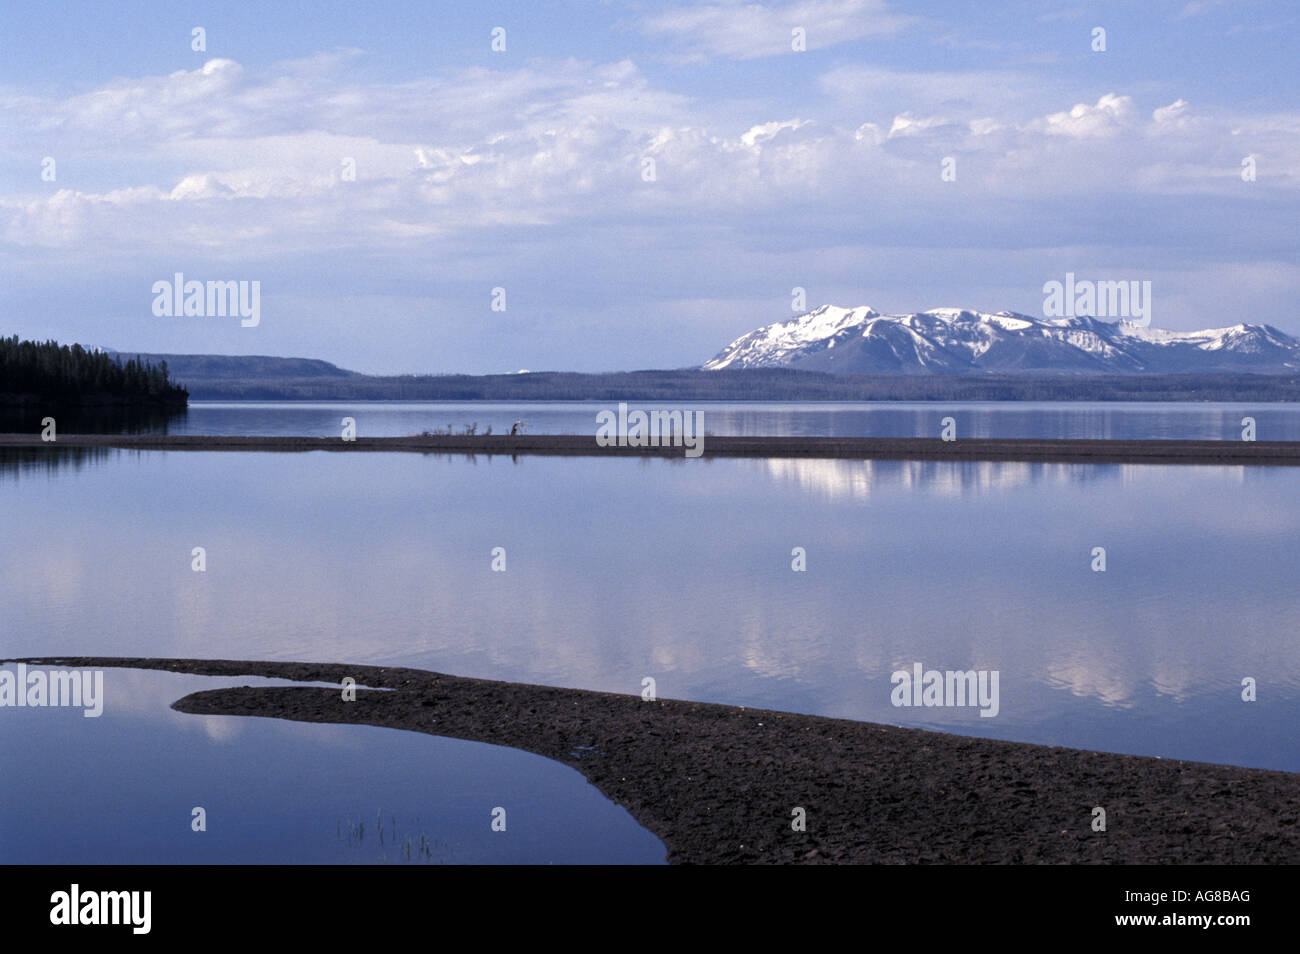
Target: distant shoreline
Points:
(267, 378)
(1028, 450)
(720, 784)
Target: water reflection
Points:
(858, 479)
(16, 462)
(1117, 420)
(622, 569)
(26, 419)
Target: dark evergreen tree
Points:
(61, 374)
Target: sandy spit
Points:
(844, 448)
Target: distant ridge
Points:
(268, 378)
(209, 367)
(223, 378)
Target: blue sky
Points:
(523, 169)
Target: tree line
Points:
(63, 374)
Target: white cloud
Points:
(1109, 117)
(736, 29)
(964, 93)
(766, 131)
(469, 175)
(1177, 113)
(1197, 8)
(905, 124)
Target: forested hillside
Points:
(70, 375)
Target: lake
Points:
(616, 570)
(1074, 420)
(1120, 421)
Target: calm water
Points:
(123, 788)
(617, 569)
(989, 419)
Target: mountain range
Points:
(957, 340)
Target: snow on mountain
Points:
(956, 340)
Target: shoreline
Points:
(1027, 450)
(718, 783)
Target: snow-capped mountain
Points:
(955, 340)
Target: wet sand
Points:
(718, 784)
(843, 448)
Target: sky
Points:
(635, 184)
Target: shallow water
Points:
(123, 788)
